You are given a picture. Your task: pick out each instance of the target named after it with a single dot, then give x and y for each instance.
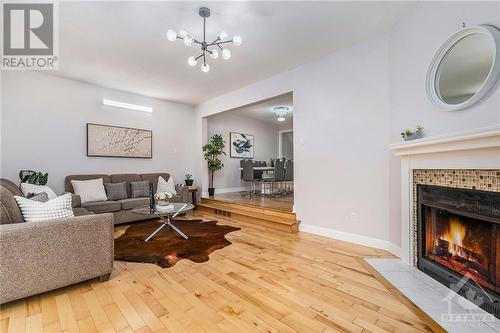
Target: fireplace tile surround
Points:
(476, 179)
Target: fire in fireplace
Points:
(459, 236)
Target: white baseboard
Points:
(352, 238)
(228, 190)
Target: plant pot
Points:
(162, 202)
(211, 191)
(414, 136)
(189, 182)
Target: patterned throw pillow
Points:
(139, 189)
(116, 191)
(40, 197)
(34, 211)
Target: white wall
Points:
(44, 128)
(265, 145)
(412, 45)
(348, 106)
(341, 128)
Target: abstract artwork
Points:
(241, 145)
(115, 141)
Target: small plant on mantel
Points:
(412, 134)
(189, 179)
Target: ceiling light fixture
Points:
(211, 48)
(281, 112)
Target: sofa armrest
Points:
(183, 191)
(40, 256)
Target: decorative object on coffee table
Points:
(166, 249)
(115, 141)
(413, 134)
(162, 198)
(211, 153)
(189, 180)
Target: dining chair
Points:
(289, 175)
(249, 174)
(279, 174)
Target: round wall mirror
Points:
(465, 68)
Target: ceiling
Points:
(263, 110)
(123, 45)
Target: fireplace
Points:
(459, 236)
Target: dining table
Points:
(266, 168)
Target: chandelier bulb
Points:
(183, 33)
(214, 54)
(171, 35)
(205, 68)
(192, 61)
(237, 40)
(222, 35)
(188, 41)
(226, 54)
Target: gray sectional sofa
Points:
(40, 256)
(121, 209)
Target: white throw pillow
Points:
(166, 186)
(90, 190)
(35, 211)
(27, 188)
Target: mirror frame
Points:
(430, 83)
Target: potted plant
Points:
(412, 134)
(211, 153)
(189, 180)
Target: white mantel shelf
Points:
(479, 138)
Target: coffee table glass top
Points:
(178, 207)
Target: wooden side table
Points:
(194, 193)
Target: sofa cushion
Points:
(132, 203)
(68, 187)
(153, 177)
(35, 211)
(126, 178)
(90, 190)
(116, 191)
(99, 207)
(80, 211)
(9, 210)
(140, 189)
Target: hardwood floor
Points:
(266, 281)
(284, 202)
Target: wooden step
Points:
(279, 220)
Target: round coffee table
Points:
(166, 215)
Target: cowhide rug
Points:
(167, 247)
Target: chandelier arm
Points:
(220, 47)
(224, 42)
(198, 57)
(213, 43)
(197, 42)
(204, 58)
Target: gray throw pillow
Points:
(40, 197)
(116, 191)
(139, 189)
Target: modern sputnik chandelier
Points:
(207, 49)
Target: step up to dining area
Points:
(267, 217)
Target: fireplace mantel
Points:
(485, 137)
(477, 149)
